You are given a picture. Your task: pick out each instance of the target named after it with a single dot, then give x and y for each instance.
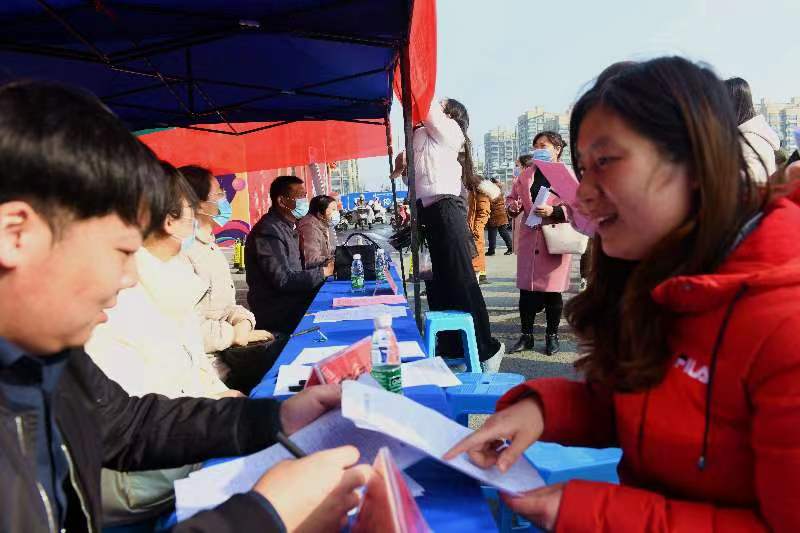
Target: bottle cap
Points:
(356, 256)
(383, 321)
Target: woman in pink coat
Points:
(541, 276)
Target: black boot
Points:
(489, 252)
(509, 252)
(552, 345)
(524, 343)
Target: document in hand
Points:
(211, 486)
(533, 219)
(565, 184)
(388, 505)
(429, 432)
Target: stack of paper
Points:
(355, 301)
(429, 432)
(309, 356)
(433, 371)
(367, 312)
(211, 486)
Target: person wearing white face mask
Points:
(225, 324)
(280, 288)
(152, 343)
(317, 237)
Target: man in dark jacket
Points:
(76, 190)
(279, 288)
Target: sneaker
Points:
(524, 343)
(509, 252)
(493, 363)
(552, 344)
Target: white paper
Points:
(211, 486)
(366, 312)
(541, 197)
(290, 376)
(430, 371)
(428, 431)
(310, 356)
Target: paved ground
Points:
(501, 297)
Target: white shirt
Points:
(436, 147)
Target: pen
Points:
(305, 331)
(289, 445)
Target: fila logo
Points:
(692, 369)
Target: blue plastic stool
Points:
(557, 464)
(479, 393)
(438, 321)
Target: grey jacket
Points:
(280, 289)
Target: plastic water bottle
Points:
(357, 274)
(380, 265)
(386, 356)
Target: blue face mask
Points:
(335, 219)
(300, 208)
(517, 172)
(188, 241)
(225, 212)
(542, 154)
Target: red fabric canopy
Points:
(422, 57)
(300, 143)
(289, 145)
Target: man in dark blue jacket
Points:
(76, 190)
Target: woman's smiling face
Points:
(633, 192)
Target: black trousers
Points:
(504, 233)
(532, 302)
(453, 286)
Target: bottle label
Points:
(389, 377)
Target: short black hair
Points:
(553, 138)
(280, 187)
(525, 159)
(319, 204)
(742, 99)
(66, 154)
(199, 178)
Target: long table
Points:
(452, 501)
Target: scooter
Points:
(363, 218)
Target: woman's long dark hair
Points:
(685, 110)
(456, 110)
(742, 98)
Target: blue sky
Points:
(501, 57)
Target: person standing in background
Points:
(541, 276)
(758, 140)
(440, 179)
(479, 209)
(498, 222)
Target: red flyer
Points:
(388, 505)
(348, 363)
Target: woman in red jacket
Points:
(690, 323)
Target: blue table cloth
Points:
(452, 501)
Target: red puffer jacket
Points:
(716, 445)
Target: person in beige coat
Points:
(152, 343)
(317, 237)
(225, 323)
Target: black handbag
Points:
(344, 258)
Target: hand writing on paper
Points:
(543, 211)
(315, 493)
(540, 506)
(522, 424)
(308, 405)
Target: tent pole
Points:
(390, 151)
(405, 75)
